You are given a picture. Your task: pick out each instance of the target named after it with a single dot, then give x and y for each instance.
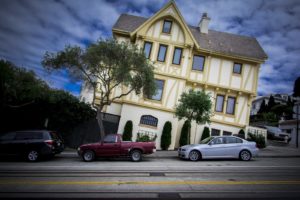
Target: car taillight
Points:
(49, 142)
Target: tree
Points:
(205, 133)
(106, 66)
(271, 103)
(184, 139)
(27, 101)
(166, 136)
(263, 107)
(194, 105)
(297, 87)
(127, 134)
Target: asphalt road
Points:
(67, 176)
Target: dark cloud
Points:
(30, 28)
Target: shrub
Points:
(144, 137)
(184, 139)
(205, 133)
(127, 134)
(259, 139)
(166, 136)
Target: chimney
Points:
(203, 24)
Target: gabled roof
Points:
(215, 41)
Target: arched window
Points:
(149, 120)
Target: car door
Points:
(109, 147)
(234, 146)
(216, 148)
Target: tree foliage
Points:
(205, 133)
(26, 103)
(263, 107)
(271, 103)
(106, 65)
(184, 135)
(166, 136)
(127, 134)
(297, 87)
(194, 105)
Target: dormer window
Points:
(167, 26)
(237, 68)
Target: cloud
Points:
(30, 28)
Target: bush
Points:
(127, 134)
(184, 140)
(166, 136)
(259, 139)
(205, 133)
(143, 137)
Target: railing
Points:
(256, 131)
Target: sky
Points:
(29, 28)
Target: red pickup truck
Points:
(113, 146)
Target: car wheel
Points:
(32, 155)
(88, 156)
(136, 155)
(194, 156)
(245, 155)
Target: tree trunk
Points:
(189, 133)
(100, 123)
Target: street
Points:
(67, 176)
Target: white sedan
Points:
(219, 147)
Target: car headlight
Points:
(78, 149)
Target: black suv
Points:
(31, 144)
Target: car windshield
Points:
(206, 140)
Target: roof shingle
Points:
(215, 41)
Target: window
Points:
(29, 135)
(219, 103)
(177, 56)
(110, 139)
(198, 63)
(147, 49)
(167, 26)
(159, 90)
(230, 105)
(218, 140)
(237, 68)
(8, 136)
(231, 140)
(215, 132)
(227, 133)
(162, 53)
(149, 120)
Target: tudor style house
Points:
(223, 64)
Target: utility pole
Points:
(297, 127)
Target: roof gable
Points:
(170, 10)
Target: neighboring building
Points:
(223, 64)
(278, 98)
(290, 126)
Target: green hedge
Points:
(127, 134)
(205, 133)
(184, 140)
(259, 139)
(166, 136)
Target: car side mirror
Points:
(211, 143)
